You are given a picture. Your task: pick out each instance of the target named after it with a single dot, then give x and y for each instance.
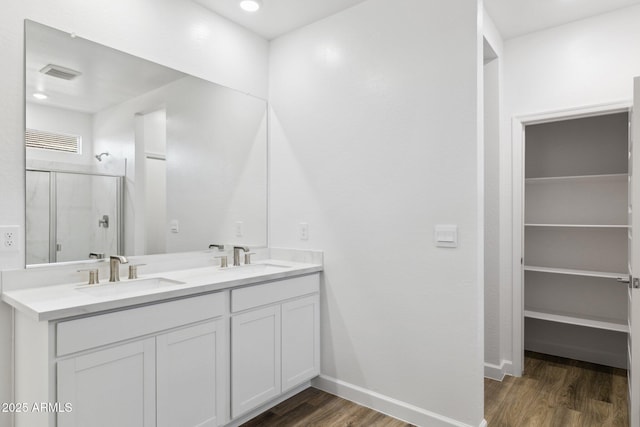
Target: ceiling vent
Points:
(60, 72)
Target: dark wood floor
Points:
(315, 408)
(553, 392)
(558, 392)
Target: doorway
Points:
(553, 207)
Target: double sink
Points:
(114, 289)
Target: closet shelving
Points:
(591, 322)
(585, 273)
(575, 238)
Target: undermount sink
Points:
(126, 286)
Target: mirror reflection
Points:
(127, 156)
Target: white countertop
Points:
(60, 301)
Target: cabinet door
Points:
(255, 359)
(110, 387)
(300, 341)
(191, 376)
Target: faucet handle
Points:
(133, 270)
(220, 247)
(247, 257)
(93, 275)
(223, 261)
(96, 255)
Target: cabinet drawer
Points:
(269, 293)
(95, 331)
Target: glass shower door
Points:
(70, 215)
(87, 218)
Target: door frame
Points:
(518, 124)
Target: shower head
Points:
(99, 156)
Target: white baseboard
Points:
(386, 405)
(496, 372)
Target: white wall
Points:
(492, 214)
(116, 130)
(497, 337)
(154, 142)
(180, 35)
(374, 141)
(155, 132)
(583, 63)
(222, 136)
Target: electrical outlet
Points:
(239, 229)
(9, 236)
(303, 231)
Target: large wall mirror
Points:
(127, 156)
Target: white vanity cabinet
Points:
(255, 358)
(159, 365)
(300, 335)
(173, 379)
(110, 387)
(192, 376)
(275, 340)
(204, 360)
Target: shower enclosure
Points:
(70, 215)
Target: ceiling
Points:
(517, 17)
(512, 17)
(131, 76)
(109, 77)
(277, 17)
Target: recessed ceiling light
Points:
(250, 5)
(40, 96)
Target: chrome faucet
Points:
(236, 254)
(114, 267)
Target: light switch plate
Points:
(446, 236)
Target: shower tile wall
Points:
(37, 223)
